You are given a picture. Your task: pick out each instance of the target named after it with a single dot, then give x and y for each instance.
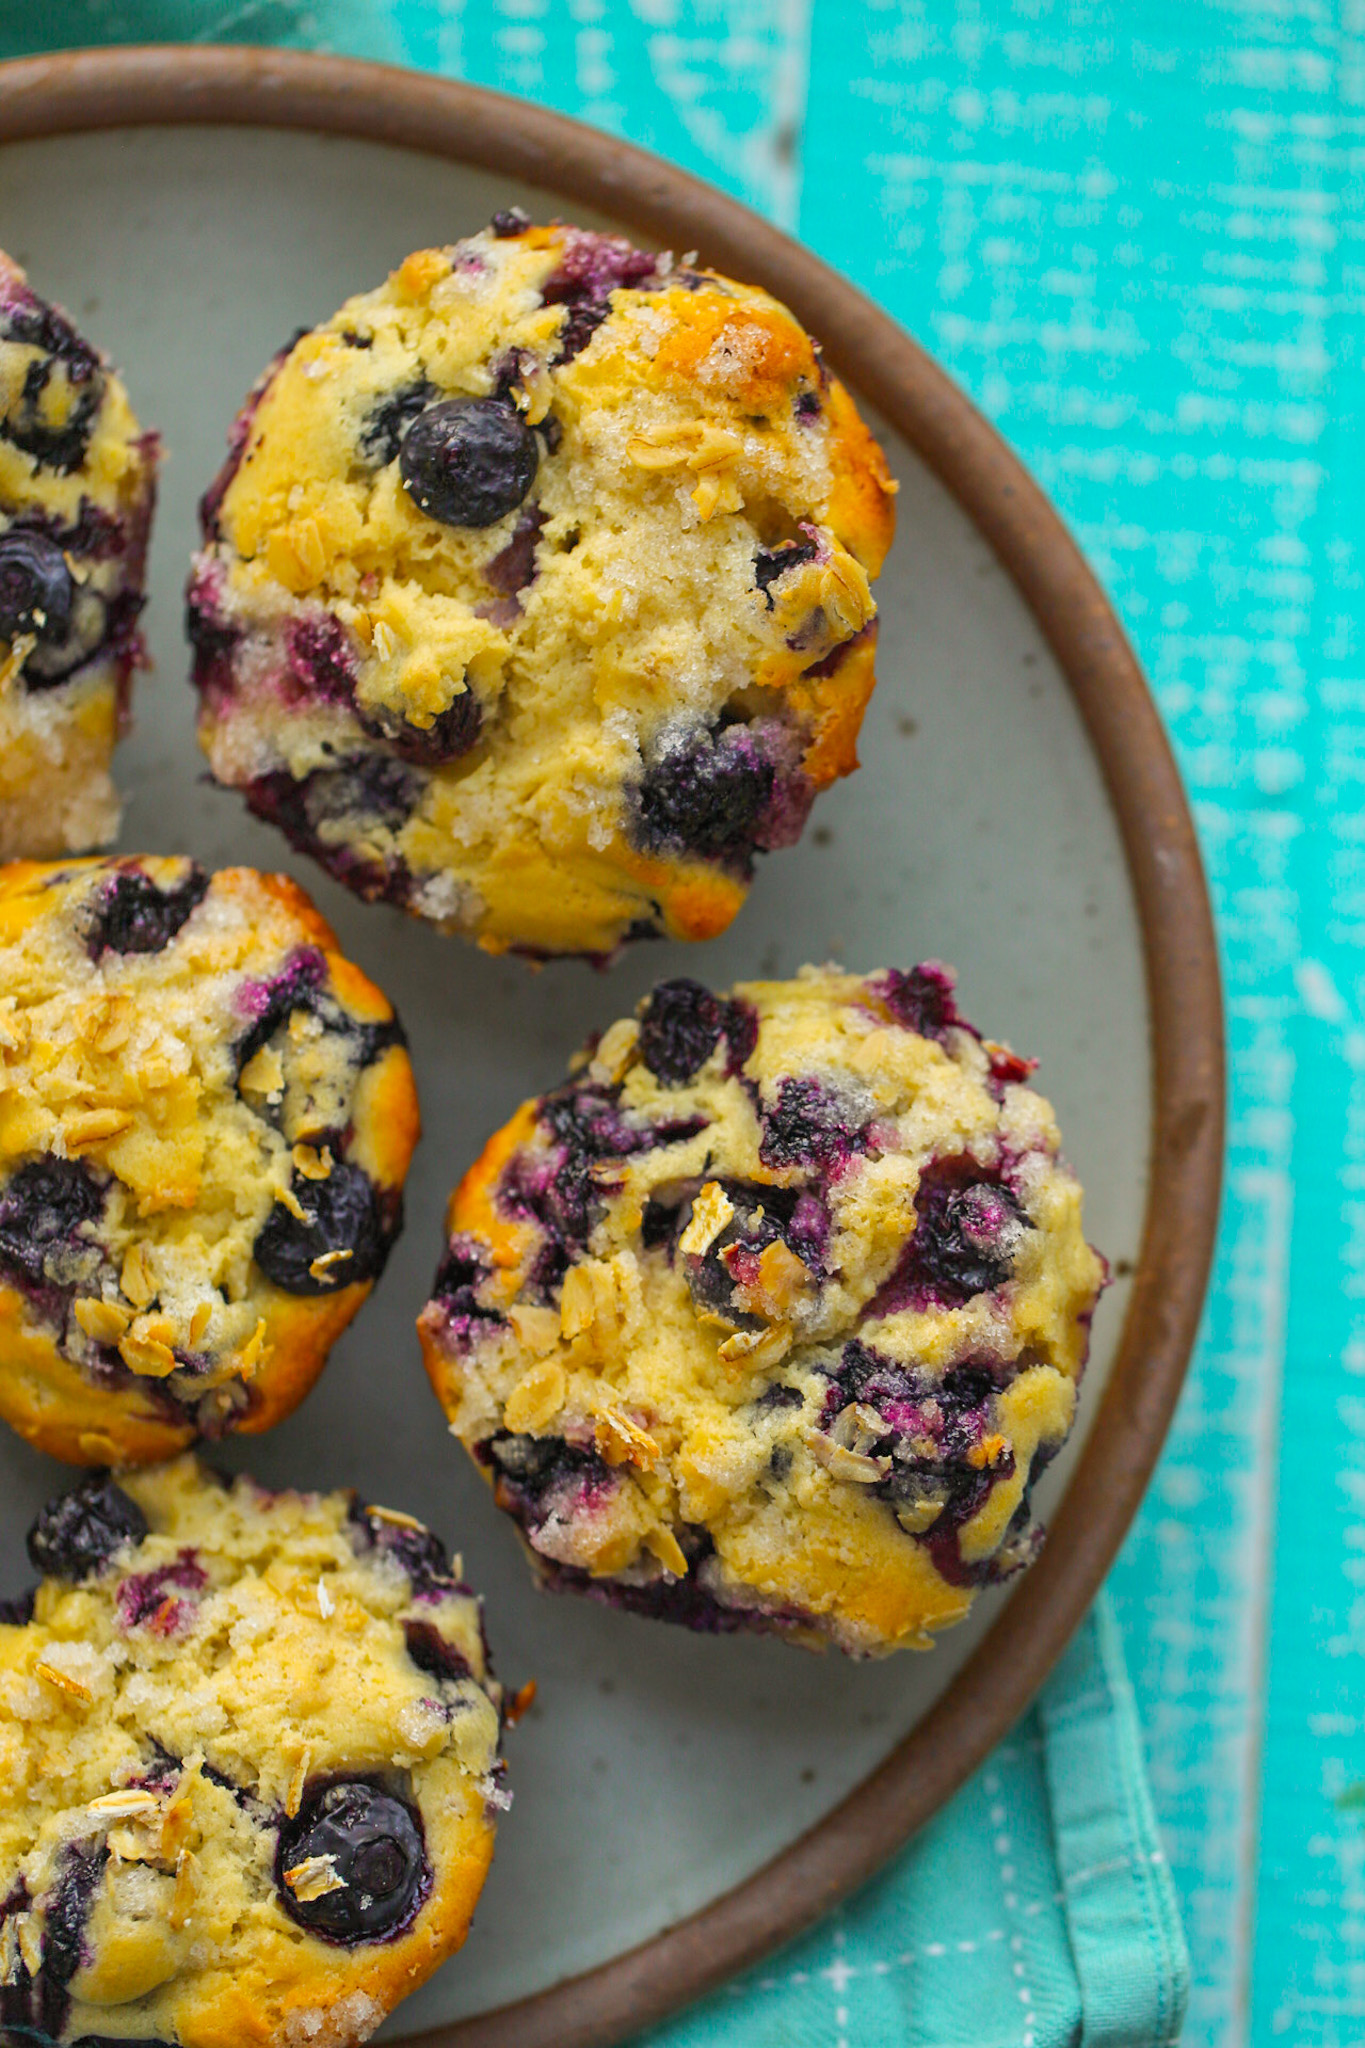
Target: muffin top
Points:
(535, 591)
(75, 480)
(771, 1312)
(206, 1114)
(248, 1756)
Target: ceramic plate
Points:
(987, 827)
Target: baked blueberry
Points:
(769, 1317)
(77, 480)
(83, 1530)
(389, 420)
(966, 1235)
(680, 1025)
(42, 1210)
(707, 794)
(452, 732)
(371, 1843)
(134, 916)
(468, 462)
(36, 586)
(219, 1113)
(254, 1773)
(331, 1235)
(600, 588)
(434, 1653)
(770, 563)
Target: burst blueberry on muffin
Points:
(771, 1314)
(534, 593)
(77, 479)
(249, 1766)
(206, 1116)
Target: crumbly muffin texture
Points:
(77, 480)
(534, 593)
(206, 1116)
(770, 1315)
(248, 1766)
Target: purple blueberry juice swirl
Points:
(151, 1599)
(462, 1272)
(591, 268)
(938, 1434)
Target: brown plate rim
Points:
(167, 85)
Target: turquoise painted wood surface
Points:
(1133, 231)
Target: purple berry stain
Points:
(146, 1599)
(967, 1232)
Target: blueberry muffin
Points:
(771, 1314)
(249, 1760)
(534, 592)
(77, 478)
(206, 1116)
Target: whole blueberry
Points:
(468, 461)
(43, 1207)
(806, 1126)
(374, 1841)
(36, 586)
(920, 998)
(80, 1532)
(679, 1030)
(342, 1216)
(509, 222)
(707, 795)
(134, 916)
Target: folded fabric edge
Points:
(1118, 1893)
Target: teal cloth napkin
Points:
(1037, 1910)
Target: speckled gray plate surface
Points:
(657, 1769)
